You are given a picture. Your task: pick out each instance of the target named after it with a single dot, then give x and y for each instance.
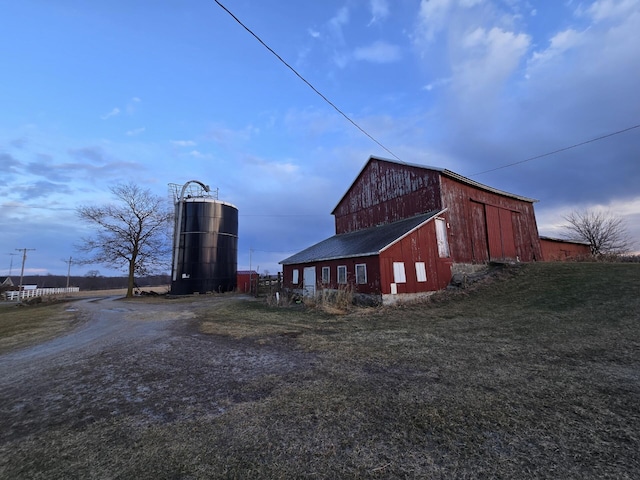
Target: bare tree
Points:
(131, 234)
(604, 232)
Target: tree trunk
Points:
(132, 263)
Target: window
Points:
(295, 279)
(398, 273)
(441, 237)
(326, 275)
(342, 274)
(421, 272)
(361, 273)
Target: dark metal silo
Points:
(207, 252)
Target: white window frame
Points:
(399, 274)
(343, 268)
(326, 275)
(363, 267)
(421, 272)
(296, 276)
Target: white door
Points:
(309, 281)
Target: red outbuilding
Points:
(401, 228)
(247, 281)
(559, 250)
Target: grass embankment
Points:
(534, 376)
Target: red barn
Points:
(247, 280)
(558, 250)
(430, 218)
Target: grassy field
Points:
(534, 375)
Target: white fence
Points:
(38, 292)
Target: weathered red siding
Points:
(488, 226)
(484, 225)
(373, 274)
(385, 192)
(419, 246)
(246, 279)
(555, 250)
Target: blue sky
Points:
(98, 93)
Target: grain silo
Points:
(205, 243)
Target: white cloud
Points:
(113, 113)
(340, 19)
(379, 10)
(183, 143)
(489, 58)
(313, 33)
(378, 52)
(132, 105)
(551, 220)
(608, 9)
(136, 131)
(558, 45)
(199, 155)
(440, 82)
(432, 17)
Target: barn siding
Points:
(385, 192)
(557, 250)
(419, 246)
(373, 274)
(486, 225)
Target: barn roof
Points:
(361, 243)
(564, 240)
(442, 171)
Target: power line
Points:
(305, 80)
(557, 151)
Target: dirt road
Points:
(137, 362)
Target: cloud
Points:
(378, 52)
(93, 154)
(135, 131)
(113, 113)
(611, 9)
(40, 189)
(9, 162)
(488, 59)
(440, 82)
(432, 18)
(340, 19)
(313, 33)
(200, 155)
(132, 105)
(379, 11)
(559, 44)
(183, 143)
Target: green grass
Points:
(535, 375)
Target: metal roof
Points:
(564, 240)
(361, 243)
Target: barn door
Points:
(479, 233)
(492, 233)
(309, 281)
(502, 244)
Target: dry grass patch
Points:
(23, 325)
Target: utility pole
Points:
(11, 263)
(68, 269)
(24, 259)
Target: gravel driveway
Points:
(144, 363)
